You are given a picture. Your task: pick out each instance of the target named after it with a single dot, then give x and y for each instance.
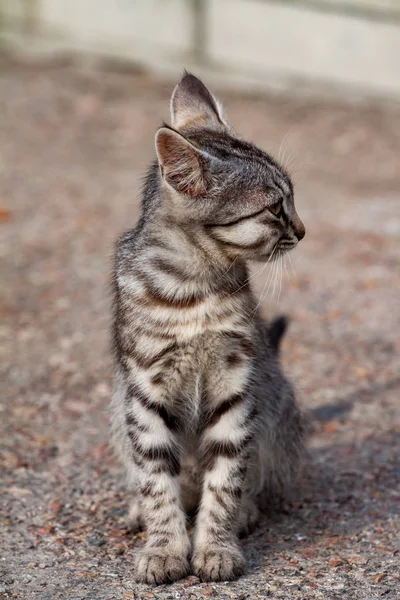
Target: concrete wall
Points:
(350, 45)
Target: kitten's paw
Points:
(160, 565)
(218, 563)
(249, 516)
(134, 520)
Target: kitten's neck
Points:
(184, 252)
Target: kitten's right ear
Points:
(182, 165)
(193, 106)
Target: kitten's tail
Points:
(277, 330)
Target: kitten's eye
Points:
(276, 209)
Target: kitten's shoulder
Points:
(128, 239)
(126, 248)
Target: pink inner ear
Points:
(181, 164)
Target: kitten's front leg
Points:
(155, 454)
(226, 444)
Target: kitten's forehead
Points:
(245, 158)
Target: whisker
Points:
(292, 158)
(281, 147)
(287, 272)
(291, 264)
(246, 282)
(281, 275)
(275, 277)
(268, 278)
(252, 314)
(225, 273)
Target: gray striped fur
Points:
(202, 416)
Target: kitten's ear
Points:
(182, 165)
(193, 106)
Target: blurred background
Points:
(84, 85)
(246, 43)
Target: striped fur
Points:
(202, 415)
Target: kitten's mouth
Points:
(277, 252)
(286, 246)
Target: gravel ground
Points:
(73, 150)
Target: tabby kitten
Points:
(202, 416)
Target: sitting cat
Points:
(202, 416)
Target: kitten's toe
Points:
(218, 563)
(160, 565)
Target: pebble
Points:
(96, 541)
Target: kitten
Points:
(202, 415)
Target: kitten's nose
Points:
(299, 229)
(300, 233)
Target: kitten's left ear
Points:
(183, 166)
(193, 106)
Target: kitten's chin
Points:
(263, 258)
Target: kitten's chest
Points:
(194, 376)
(195, 324)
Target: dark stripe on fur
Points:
(154, 296)
(168, 456)
(132, 422)
(223, 408)
(171, 420)
(171, 268)
(236, 221)
(158, 379)
(152, 333)
(215, 449)
(161, 542)
(230, 491)
(245, 344)
(147, 490)
(228, 449)
(145, 362)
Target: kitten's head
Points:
(236, 192)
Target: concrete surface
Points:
(73, 149)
